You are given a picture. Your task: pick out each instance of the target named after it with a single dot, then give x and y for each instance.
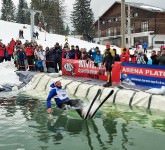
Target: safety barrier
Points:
(40, 87)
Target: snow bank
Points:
(7, 74)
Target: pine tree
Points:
(82, 17)
(8, 10)
(67, 30)
(22, 16)
(52, 14)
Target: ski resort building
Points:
(144, 23)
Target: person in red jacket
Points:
(12, 44)
(30, 56)
(2, 52)
(9, 50)
(124, 57)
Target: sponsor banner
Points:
(82, 68)
(145, 75)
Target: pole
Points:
(129, 26)
(32, 25)
(123, 23)
(45, 24)
(99, 30)
(32, 14)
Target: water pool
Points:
(25, 125)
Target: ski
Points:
(91, 104)
(104, 100)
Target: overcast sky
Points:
(100, 6)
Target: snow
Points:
(152, 8)
(9, 30)
(7, 74)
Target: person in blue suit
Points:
(61, 99)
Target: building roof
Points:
(137, 5)
(145, 7)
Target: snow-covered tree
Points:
(23, 16)
(52, 14)
(82, 17)
(8, 10)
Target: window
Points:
(135, 14)
(144, 26)
(109, 20)
(109, 32)
(115, 31)
(159, 42)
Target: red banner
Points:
(82, 68)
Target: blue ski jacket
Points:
(54, 93)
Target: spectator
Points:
(39, 65)
(124, 57)
(72, 53)
(30, 56)
(2, 52)
(134, 56)
(58, 57)
(21, 57)
(48, 58)
(158, 53)
(145, 58)
(12, 44)
(140, 58)
(154, 58)
(116, 57)
(9, 52)
(84, 54)
(145, 45)
(92, 52)
(37, 34)
(42, 56)
(108, 60)
(161, 59)
(34, 34)
(98, 59)
(77, 52)
(66, 53)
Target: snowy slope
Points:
(10, 30)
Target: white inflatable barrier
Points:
(40, 86)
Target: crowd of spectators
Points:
(32, 56)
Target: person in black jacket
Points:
(154, 58)
(58, 57)
(116, 57)
(108, 61)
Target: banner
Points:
(83, 68)
(144, 75)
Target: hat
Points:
(72, 45)
(56, 83)
(57, 43)
(108, 44)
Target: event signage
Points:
(138, 74)
(82, 68)
(145, 75)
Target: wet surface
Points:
(25, 125)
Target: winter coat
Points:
(124, 57)
(29, 51)
(2, 51)
(98, 58)
(108, 60)
(155, 60)
(9, 50)
(54, 92)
